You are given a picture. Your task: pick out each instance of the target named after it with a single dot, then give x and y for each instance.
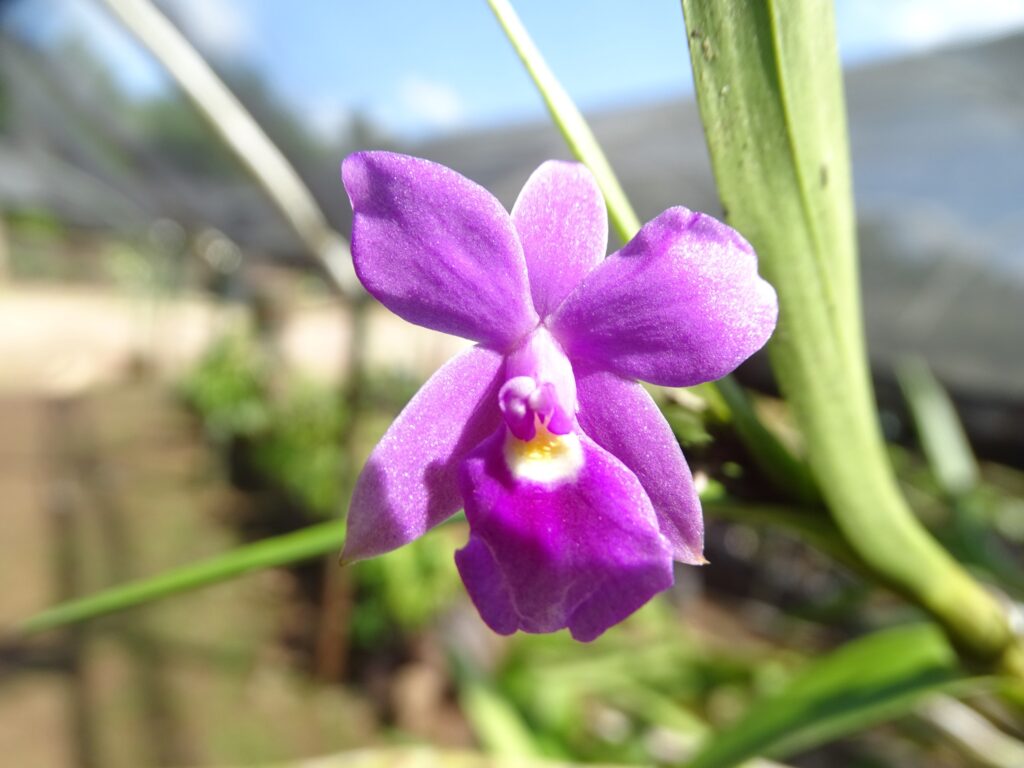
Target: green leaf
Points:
(768, 452)
(570, 121)
(954, 467)
(813, 528)
(938, 428)
(281, 550)
(866, 682)
(780, 466)
(496, 723)
(769, 88)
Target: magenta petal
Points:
(583, 553)
(563, 225)
(486, 586)
(437, 249)
(680, 304)
(623, 419)
(410, 481)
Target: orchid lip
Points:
(547, 458)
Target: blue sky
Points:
(421, 68)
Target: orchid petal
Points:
(622, 418)
(437, 249)
(680, 304)
(583, 552)
(409, 483)
(563, 225)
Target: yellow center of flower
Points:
(547, 458)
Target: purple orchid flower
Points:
(577, 494)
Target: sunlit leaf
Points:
(496, 723)
(866, 682)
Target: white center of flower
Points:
(547, 458)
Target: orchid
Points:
(576, 492)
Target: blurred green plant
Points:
(301, 448)
(973, 506)
(406, 589)
(228, 388)
(35, 238)
(867, 681)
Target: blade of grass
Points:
(242, 135)
(817, 530)
(496, 723)
(941, 434)
(768, 451)
(955, 469)
(570, 122)
(290, 548)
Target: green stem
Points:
(294, 547)
(768, 452)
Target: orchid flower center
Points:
(538, 403)
(547, 458)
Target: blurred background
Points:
(179, 373)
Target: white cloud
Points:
(878, 27)
(328, 119)
(432, 104)
(927, 23)
(217, 26)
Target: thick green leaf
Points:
(866, 682)
(769, 88)
(281, 550)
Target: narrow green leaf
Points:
(787, 472)
(769, 88)
(866, 682)
(769, 453)
(815, 529)
(954, 467)
(570, 121)
(281, 550)
(938, 428)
